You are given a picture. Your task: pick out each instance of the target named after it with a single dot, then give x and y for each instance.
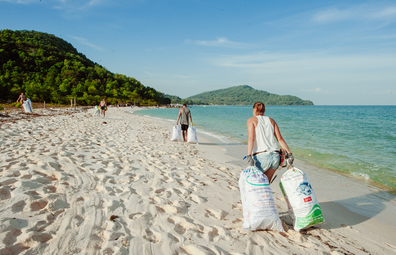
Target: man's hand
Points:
(290, 158)
(250, 160)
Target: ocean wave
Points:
(361, 175)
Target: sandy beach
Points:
(77, 184)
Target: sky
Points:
(330, 52)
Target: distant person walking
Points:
(103, 107)
(262, 149)
(21, 98)
(184, 120)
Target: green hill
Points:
(244, 95)
(47, 68)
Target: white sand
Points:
(71, 184)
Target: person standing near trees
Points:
(21, 98)
(184, 121)
(103, 106)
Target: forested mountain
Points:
(50, 69)
(244, 95)
(174, 99)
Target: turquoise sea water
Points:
(358, 140)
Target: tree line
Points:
(245, 95)
(48, 68)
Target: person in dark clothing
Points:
(185, 114)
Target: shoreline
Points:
(82, 184)
(234, 152)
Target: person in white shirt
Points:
(262, 147)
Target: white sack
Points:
(301, 200)
(96, 113)
(176, 134)
(192, 135)
(27, 105)
(259, 211)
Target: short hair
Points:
(259, 106)
(185, 105)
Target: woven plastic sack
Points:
(192, 135)
(259, 211)
(176, 134)
(301, 200)
(27, 105)
(97, 111)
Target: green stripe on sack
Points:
(314, 217)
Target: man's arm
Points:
(279, 137)
(178, 116)
(251, 135)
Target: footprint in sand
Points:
(135, 216)
(152, 236)
(167, 209)
(198, 199)
(198, 250)
(18, 206)
(218, 214)
(40, 226)
(5, 193)
(50, 189)
(183, 224)
(12, 228)
(38, 205)
(77, 221)
(11, 237)
(155, 200)
(41, 238)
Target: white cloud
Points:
(21, 1)
(309, 60)
(87, 43)
(220, 42)
(332, 15)
(389, 12)
(317, 73)
(73, 6)
(68, 5)
(361, 12)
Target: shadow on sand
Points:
(348, 212)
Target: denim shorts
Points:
(265, 161)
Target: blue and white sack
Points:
(301, 200)
(176, 134)
(192, 135)
(259, 211)
(27, 105)
(97, 111)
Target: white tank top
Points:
(264, 139)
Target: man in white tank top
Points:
(262, 148)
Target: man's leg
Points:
(185, 135)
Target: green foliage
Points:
(243, 95)
(50, 69)
(17, 104)
(173, 99)
(1, 108)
